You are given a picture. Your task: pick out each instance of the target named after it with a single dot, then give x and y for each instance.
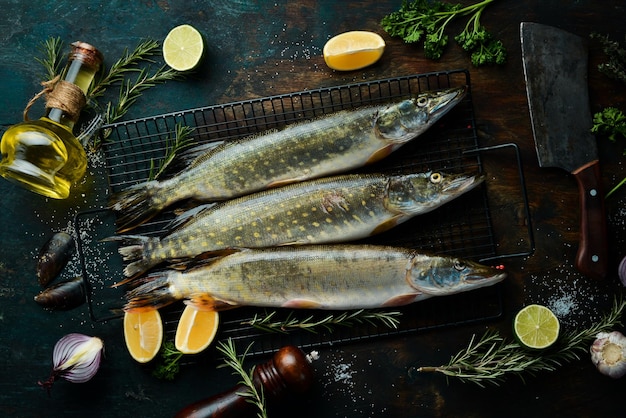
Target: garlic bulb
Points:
(608, 353)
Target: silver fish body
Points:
(314, 277)
(328, 145)
(329, 210)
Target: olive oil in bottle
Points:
(44, 155)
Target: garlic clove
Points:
(608, 353)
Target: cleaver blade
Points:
(555, 70)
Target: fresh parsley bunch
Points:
(426, 20)
(610, 122)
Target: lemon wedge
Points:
(353, 50)
(143, 333)
(196, 330)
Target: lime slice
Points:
(536, 327)
(183, 48)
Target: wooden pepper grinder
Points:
(288, 371)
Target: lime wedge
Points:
(183, 48)
(536, 327)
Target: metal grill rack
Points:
(462, 227)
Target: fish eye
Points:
(421, 101)
(459, 265)
(436, 178)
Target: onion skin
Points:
(53, 257)
(76, 358)
(621, 271)
(63, 296)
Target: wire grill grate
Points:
(462, 228)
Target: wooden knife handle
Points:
(592, 257)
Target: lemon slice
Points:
(353, 50)
(143, 333)
(536, 327)
(183, 48)
(196, 330)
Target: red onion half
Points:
(76, 358)
(621, 271)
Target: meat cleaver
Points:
(555, 70)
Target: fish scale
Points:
(328, 210)
(327, 145)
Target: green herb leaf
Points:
(426, 20)
(610, 122)
(236, 362)
(491, 358)
(268, 322)
(169, 365)
(52, 57)
(172, 147)
(615, 67)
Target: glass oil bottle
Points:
(44, 155)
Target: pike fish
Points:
(325, 146)
(328, 210)
(313, 277)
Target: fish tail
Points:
(136, 250)
(135, 205)
(153, 292)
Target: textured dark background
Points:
(262, 48)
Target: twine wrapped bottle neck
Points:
(68, 93)
(62, 95)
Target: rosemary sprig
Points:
(128, 63)
(130, 91)
(172, 147)
(232, 359)
(51, 61)
(136, 62)
(491, 358)
(267, 323)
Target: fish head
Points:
(440, 275)
(418, 193)
(407, 119)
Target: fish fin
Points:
(386, 225)
(187, 215)
(134, 205)
(153, 292)
(134, 250)
(380, 154)
(211, 256)
(285, 182)
(301, 304)
(194, 156)
(202, 260)
(401, 300)
(292, 243)
(206, 302)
